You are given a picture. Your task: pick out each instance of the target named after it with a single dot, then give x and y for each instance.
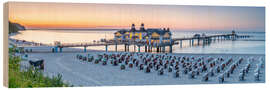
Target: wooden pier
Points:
(149, 47)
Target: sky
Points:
(117, 16)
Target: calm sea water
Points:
(253, 45)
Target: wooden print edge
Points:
(5, 44)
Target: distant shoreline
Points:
(13, 34)
(79, 29)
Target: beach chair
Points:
(130, 65)
(147, 70)
(227, 74)
(177, 74)
(104, 62)
(257, 70)
(137, 63)
(90, 59)
(257, 76)
(170, 69)
(115, 63)
(37, 64)
(193, 74)
(122, 67)
(241, 76)
(221, 78)
(212, 72)
(141, 67)
(205, 77)
(96, 61)
(185, 71)
(161, 71)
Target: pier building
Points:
(152, 36)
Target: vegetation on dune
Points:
(14, 27)
(30, 78)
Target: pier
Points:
(208, 39)
(148, 47)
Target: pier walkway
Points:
(148, 47)
(58, 46)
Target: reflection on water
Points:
(78, 36)
(49, 36)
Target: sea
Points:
(252, 45)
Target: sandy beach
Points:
(83, 73)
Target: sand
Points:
(80, 73)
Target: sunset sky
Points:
(177, 17)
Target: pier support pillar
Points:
(192, 42)
(203, 42)
(125, 47)
(128, 47)
(181, 43)
(145, 48)
(139, 48)
(106, 48)
(198, 43)
(233, 37)
(84, 50)
(189, 42)
(56, 49)
(53, 50)
(149, 48)
(157, 48)
(61, 49)
(134, 48)
(170, 48)
(116, 47)
(164, 48)
(221, 37)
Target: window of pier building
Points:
(118, 34)
(155, 35)
(166, 35)
(126, 37)
(166, 41)
(137, 35)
